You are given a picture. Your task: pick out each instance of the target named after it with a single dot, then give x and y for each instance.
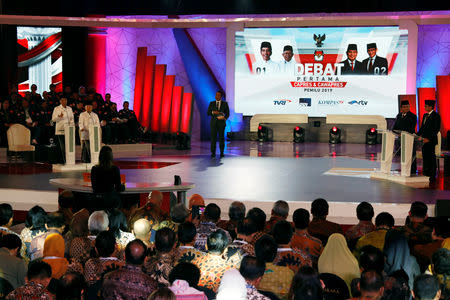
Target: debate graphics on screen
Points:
(320, 70)
(39, 52)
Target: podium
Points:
(69, 137)
(387, 154)
(94, 142)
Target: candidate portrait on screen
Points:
(374, 64)
(288, 64)
(351, 65)
(266, 65)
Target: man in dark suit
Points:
(406, 121)
(431, 124)
(374, 64)
(219, 112)
(351, 65)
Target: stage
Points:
(256, 173)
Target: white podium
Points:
(95, 142)
(387, 151)
(407, 144)
(69, 137)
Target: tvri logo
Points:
(281, 102)
(360, 102)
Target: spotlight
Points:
(183, 141)
(263, 133)
(335, 135)
(299, 135)
(371, 136)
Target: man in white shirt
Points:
(266, 66)
(62, 116)
(87, 118)
(288, 65)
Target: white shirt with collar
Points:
(288, 66)
(86, 119)
(267, 67)
(66, 119)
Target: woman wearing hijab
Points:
(337, 259)
(54, 255)
(398, 255)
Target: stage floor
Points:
(252, 172)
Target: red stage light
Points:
(334, 128)
(297, 128)
(259, 127)
(372, 130)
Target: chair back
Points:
(18, 135)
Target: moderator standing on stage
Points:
(406, 121)
(219, 112)
(62, 116)
(431, 124)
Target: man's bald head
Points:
(135, 252)
(155, 198)
(142, 228)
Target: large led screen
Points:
(39, 58)
(319, 71)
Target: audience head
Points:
(280, 209)
(282, 231)
(162, 294)
(105, 243)
(364, 211)
(117, 221)
(135, 252)
(306, 285)
(11, 242)
(246, 227)
(301, 218)
(54, 245)
(441, 262)
(384, 219)
(105, 157)
(186, 233)
(66, 199)
(71, 286)
(418, 210)
(155, 198)
(212, 212)
(187, 272)
(55, 221)
(6, 214)
(79, 224)
(426, 287)
(36, 218)
(266, 248)
(252, 269)
(236, 212)
(258, 216)
(165, 239)
(441, 228)
(98, 222)
(371, 285)
(179, 213)
(397, 287)
(39, 271)
(142, 229)
(232, 286)
(319, 208)
(217, 242)
(196, 199)
(371, 258)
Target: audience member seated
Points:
(364, 213)
(371, 259)
(384, 222)
(424, 252)
(12, 268)
(396, 286)
(183, 281)
(129, 282)
(302, 239)
(252, 270)
(337, 259)
(55, 223)
(162, 294)
(416, 231)
(212, 265)
(280, 211)
(98, 222)
(151, 210)
(71, 287)
(142, 230)
(441, 269)
(236, 213)
(306, 285)
(232, 286)
(186, 237)
(34, 226)
(259, 218)
(129, 119)
(80, 245)
(208, 226)
(286, 255)
(276, 279)
(159, 266)
(319, 227)
(334, 287)
(178, 214)
(6, 219)
(426, 287)
(39, 275)
(96, 267)
(371, 285)
(119, 227)
(398, 255)
(241, 245)
(54, 254)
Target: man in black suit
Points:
(431, 124)
(406, 121)
(374, 64)
(351, 65)
(219, 112)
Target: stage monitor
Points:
(39, 51)
(320, 70)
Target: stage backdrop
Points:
(318, 79)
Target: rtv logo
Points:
(281, 102)
(360, 102)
